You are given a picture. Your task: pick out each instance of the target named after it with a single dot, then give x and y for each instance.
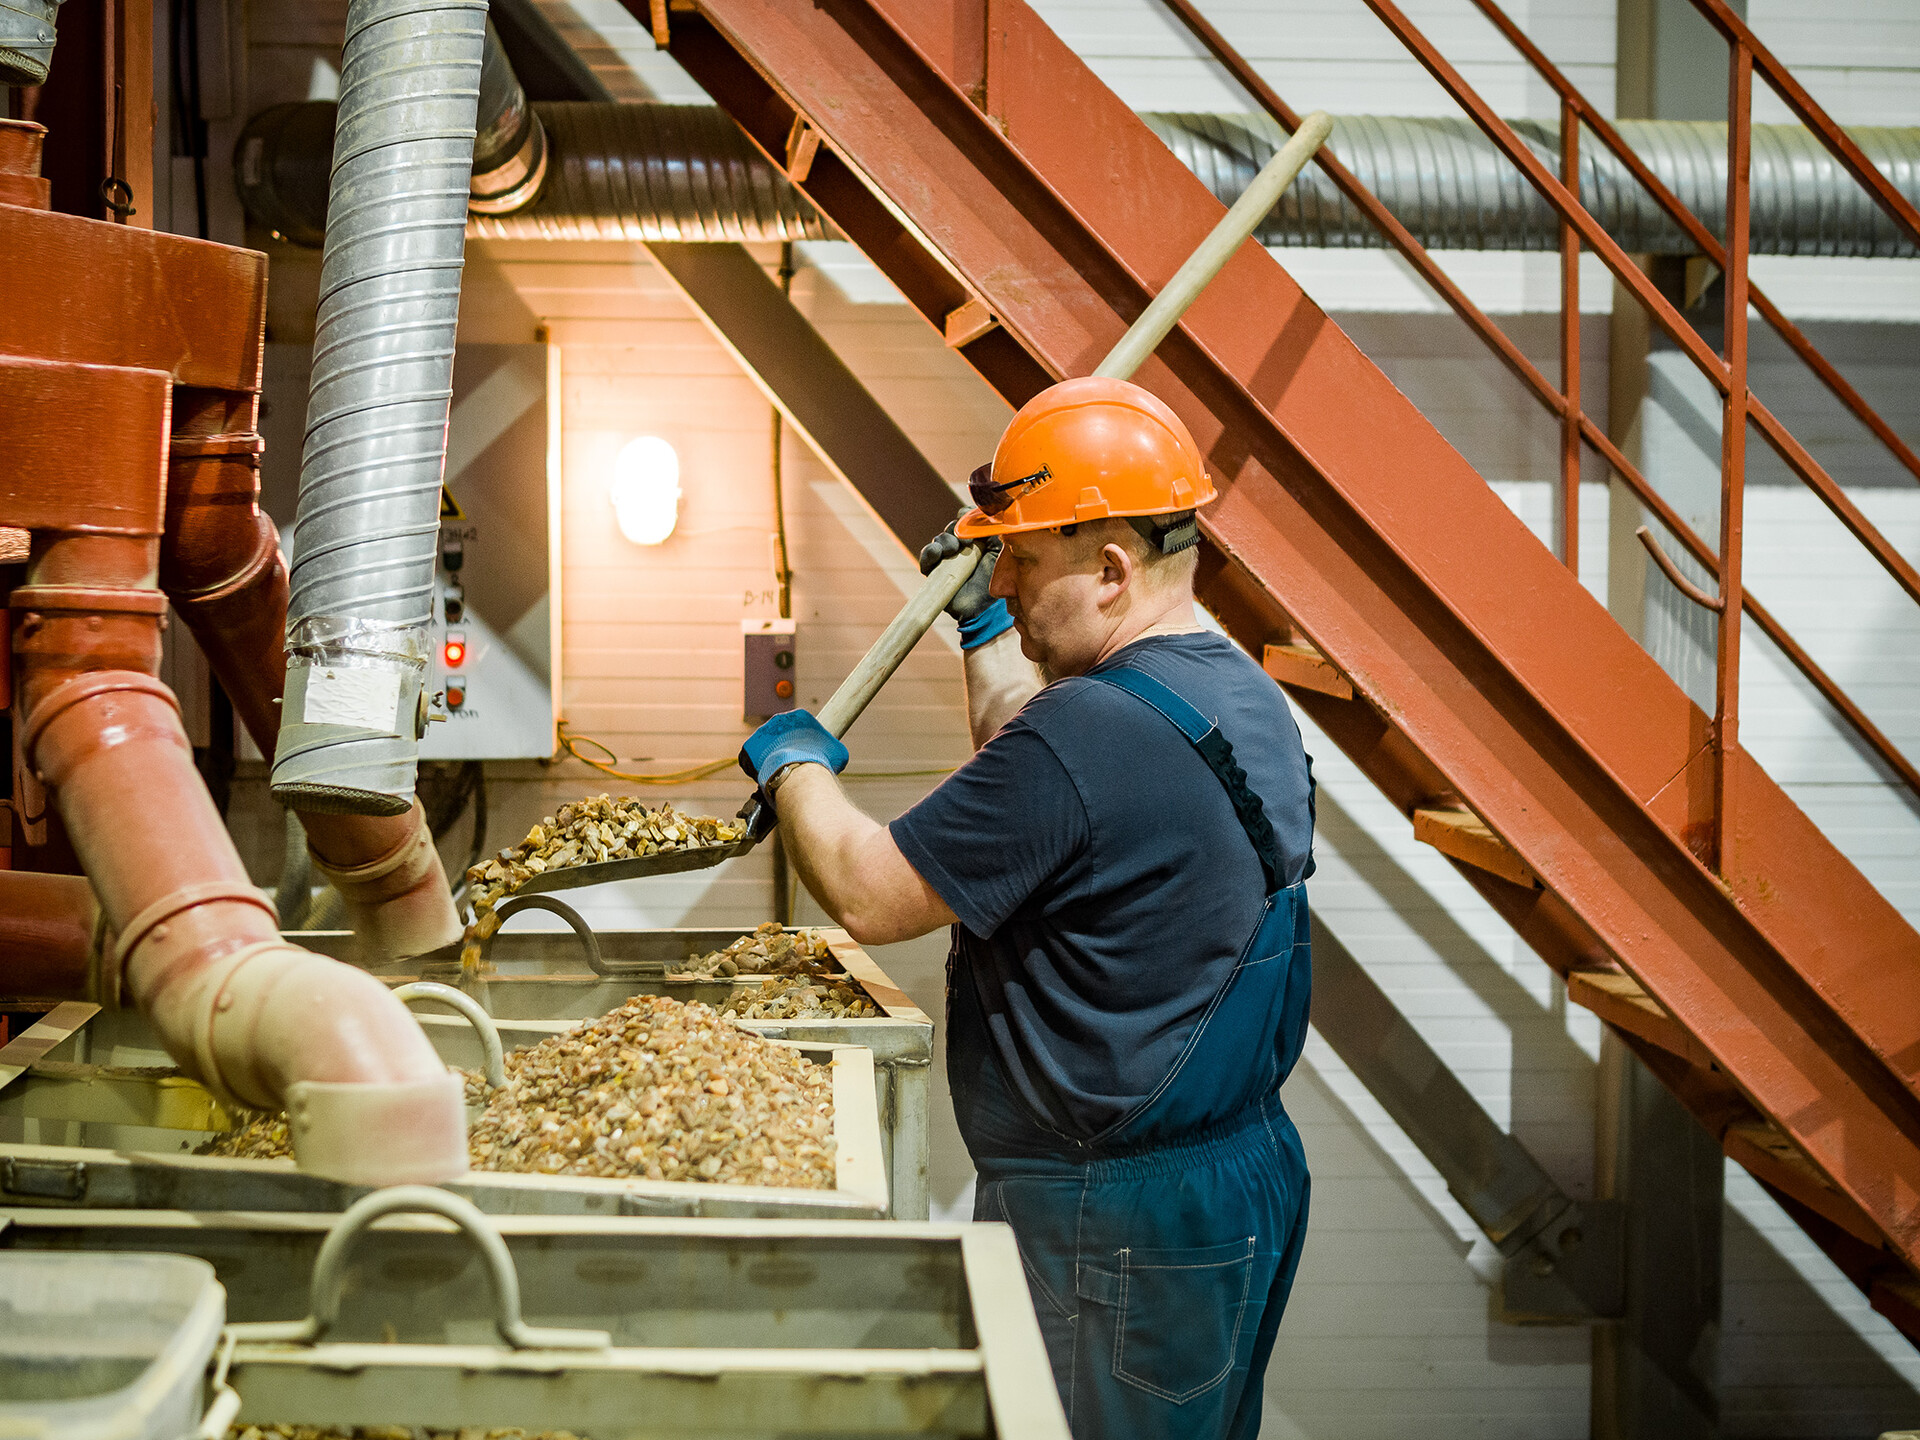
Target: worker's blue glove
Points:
(785, 739)
(981, 616)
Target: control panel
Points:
(768, 668)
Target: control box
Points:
(769, 668)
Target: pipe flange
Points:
(88, 599)
(231, 442)
(515, 184)
(89, 687)
(377, 869)
(186, 898)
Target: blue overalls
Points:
(1161, 1251)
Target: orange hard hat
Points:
(1090, 449)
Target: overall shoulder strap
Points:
(1213, 747)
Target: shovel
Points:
(919, 613)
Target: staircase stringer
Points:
(1350, 521)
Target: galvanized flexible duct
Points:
(656, 172)
(368, 513)
(1443, 179)
(26, 40)
(509, 143)
(686, 172)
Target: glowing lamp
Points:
(646, 489)
(454, 652)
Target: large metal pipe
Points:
(47, 943)
(364, 538)
(260, 1022)
(685, 172)
(509, 142)
(655, 172)
(220, 566)
(1442, 178)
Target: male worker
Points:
(1122, 862)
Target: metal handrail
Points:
(1729, 375)
(1884, 192)
(1697, 232)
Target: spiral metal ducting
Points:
(26, 40)
(509, 143)
(656, 172)
(368, 515)
(1444, 180)
(686, 172)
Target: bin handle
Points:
(589, 943)
(329, 1274)
(495, 1063)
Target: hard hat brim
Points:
(976, 524)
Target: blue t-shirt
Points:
(1104, 886)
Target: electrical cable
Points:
(570, 743)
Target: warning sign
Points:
(450, 507)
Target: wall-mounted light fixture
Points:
(646, 489)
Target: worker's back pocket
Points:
(1178, 1316)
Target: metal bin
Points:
(711, 1327)
(544, 975)
(124, 1130)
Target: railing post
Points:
(1733, 452)
(1570, 344)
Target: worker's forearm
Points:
(999, 681)
(850, 864)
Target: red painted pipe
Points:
(47, 941)
(260, 1022)
(221, 567)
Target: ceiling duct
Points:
(1443, 179)
(686, 172)
(376, 434)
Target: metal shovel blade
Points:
(634, 867)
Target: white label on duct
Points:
(368, 699)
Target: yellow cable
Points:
(571, 743)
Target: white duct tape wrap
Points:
(368, 519)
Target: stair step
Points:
(1618, 998)
(1770, 1155)
(967, 323)
(1298, 663)
(1459, 833)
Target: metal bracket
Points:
(654, 1207)
(1572, 1271)
(44, 1179)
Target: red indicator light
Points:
(783, 688)
(454, 652)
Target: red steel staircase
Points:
(1623, 832)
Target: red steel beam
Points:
(1011, 174)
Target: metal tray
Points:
(120, 1135)
(717, 1327)
(542, 975)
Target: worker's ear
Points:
(1117, 569)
